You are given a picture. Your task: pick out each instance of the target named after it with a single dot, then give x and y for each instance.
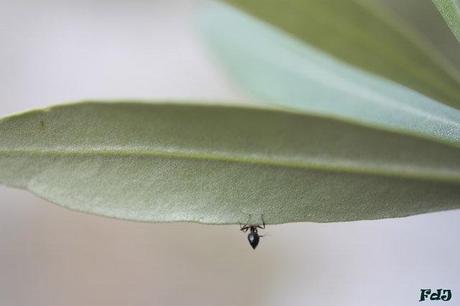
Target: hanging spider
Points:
(253, 236)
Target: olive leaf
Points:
(450, 10)
(369, 128)
(210, 164)
(337, 58)
(357, 32)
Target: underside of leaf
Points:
(223, 165)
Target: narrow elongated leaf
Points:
(291, 72)
(212, 164)
(366, 36)
(450, 10)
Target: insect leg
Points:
(263, 222)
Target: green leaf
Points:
(450, 10)
(210, 164)
(366, 36)
(292, 65)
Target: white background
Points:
(53, 52)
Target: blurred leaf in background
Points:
(425, 20)
(363, 34)
(292, 65)
(450, 10)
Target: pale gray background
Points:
(57, 51)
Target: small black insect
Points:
(253, 236)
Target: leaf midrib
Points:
(320, 164)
